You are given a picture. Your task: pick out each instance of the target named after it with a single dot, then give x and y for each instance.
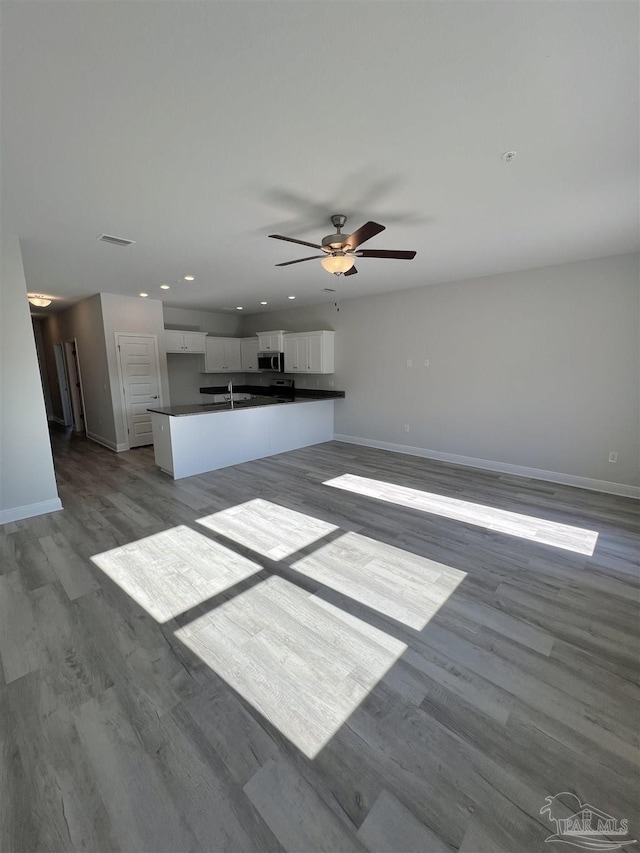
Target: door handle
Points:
(154, 397)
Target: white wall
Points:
(27, 479)
(133, 315)
(536, 369)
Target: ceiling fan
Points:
(341, 251)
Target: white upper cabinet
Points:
(270, 341)
(309, 352)
(222, 355)
(249, 354)
(175, 341)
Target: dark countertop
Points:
(267, 391)
(304, 396)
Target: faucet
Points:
(230, 390)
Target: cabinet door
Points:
(232, 358)
(249, 354)
(314, 354)
(194, 342)
(173, 341)
(291, 359)
(214, 355)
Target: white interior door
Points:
(140, 373)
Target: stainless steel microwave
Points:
(271, 361)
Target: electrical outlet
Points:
(613, 456)
(426, 362)
(409, 362)
(407, 427)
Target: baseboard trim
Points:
(57, 420)
(106, 443)
(621, 489)
(17, 513)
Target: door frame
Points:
(76, 392)
(123, 401)
(63, 386)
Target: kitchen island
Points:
(194, 439)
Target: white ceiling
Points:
(198, 128)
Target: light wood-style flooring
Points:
(258, 660)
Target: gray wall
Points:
(202, 321)
(83, 321)
(27, 480)
(536, 368)
(134, 315)
(185, 369)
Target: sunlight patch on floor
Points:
(303, 663)
(267, 528)
(539, 530)
(404, 586)
(172, 571)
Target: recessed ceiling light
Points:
(263, 303)
(189, 278)
(239, 308)
(164, 287)
(144, 294)
(290, 297)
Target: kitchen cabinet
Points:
(222, 355)
(249, 354)
(182, 342)
(270, 341)
(309, 352)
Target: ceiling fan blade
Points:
(351, 271)
(368, 230)
(293, 240)
(385, 253)
(300, 260)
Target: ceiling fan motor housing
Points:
(332, 242)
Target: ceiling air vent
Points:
(117, 241)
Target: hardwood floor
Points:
(252, 660)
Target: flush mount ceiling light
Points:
(39, 301)
(341, 250)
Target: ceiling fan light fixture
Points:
(40, 301)
(336, 264)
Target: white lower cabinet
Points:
(309, 352)
(222, 355)
(249, 354)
